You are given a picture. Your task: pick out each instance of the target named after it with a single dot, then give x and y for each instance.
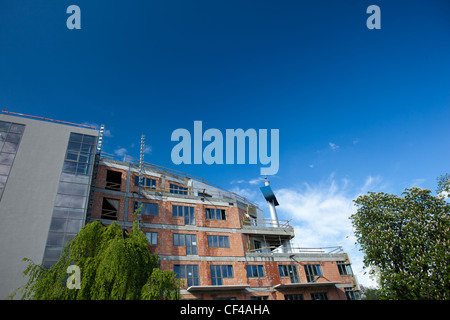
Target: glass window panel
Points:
(17, 128)
(72, 156)
(76, 137)
(6, 158)
(75, 146)
(59, 213)
(73, 188)
(65, 187)
(210, 241)
(83, 158)
(4, 169)
(67, 177)
(10, 147)
(182, 240)
(89, 139)
(4, 126)
(230, 271)
(78, 202)
(70, 166)
(13, 137)
(63, 200)
(3, 180)
(82, 179)
(3, 136)
(75, 213)
(58, 225)
(52, 253)
(260, 271)
(82, 168)
(74, 226)
(86, 148)
(55, 239)
(68, 236)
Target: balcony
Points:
(268, 228)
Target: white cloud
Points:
(256, 181)
(333, 146)
(320, 217)
(148, 150)
(121, 152)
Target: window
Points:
(344, 269)
(187, 212)
(147, 208)
(175, 189)
(312, 272)
(259, 298)
(72, 197)
(186, 240)
(113, 180)
(257, 245)
(187, 271)
(319, 296)
(289, 271)
(10, 136)
(351, 294)
(152, 237)
(215, 214)
(218, 242)
(110, 207)
(220, 272)
(297, 296)
(80, 154)
(255, 271)
(146, 182)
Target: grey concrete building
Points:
(45, 174)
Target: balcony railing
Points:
(299, 250)
(268, 223)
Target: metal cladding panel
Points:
(269, 195)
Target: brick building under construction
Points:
(220, 243)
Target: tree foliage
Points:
(114, 264)
(406, 238)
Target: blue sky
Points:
(358, 110)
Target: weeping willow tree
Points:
(114, 265)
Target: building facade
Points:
(217, 242)
(45, 178)
(53, 180)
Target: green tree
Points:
(114, 265)
(443, 183)
(406, 239)
(369, 293)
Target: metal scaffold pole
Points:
(141, 173)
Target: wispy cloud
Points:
(107, 132)
(320, 214)
(333, 146)
(148, 149)
(120, 151)
(256, 181)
